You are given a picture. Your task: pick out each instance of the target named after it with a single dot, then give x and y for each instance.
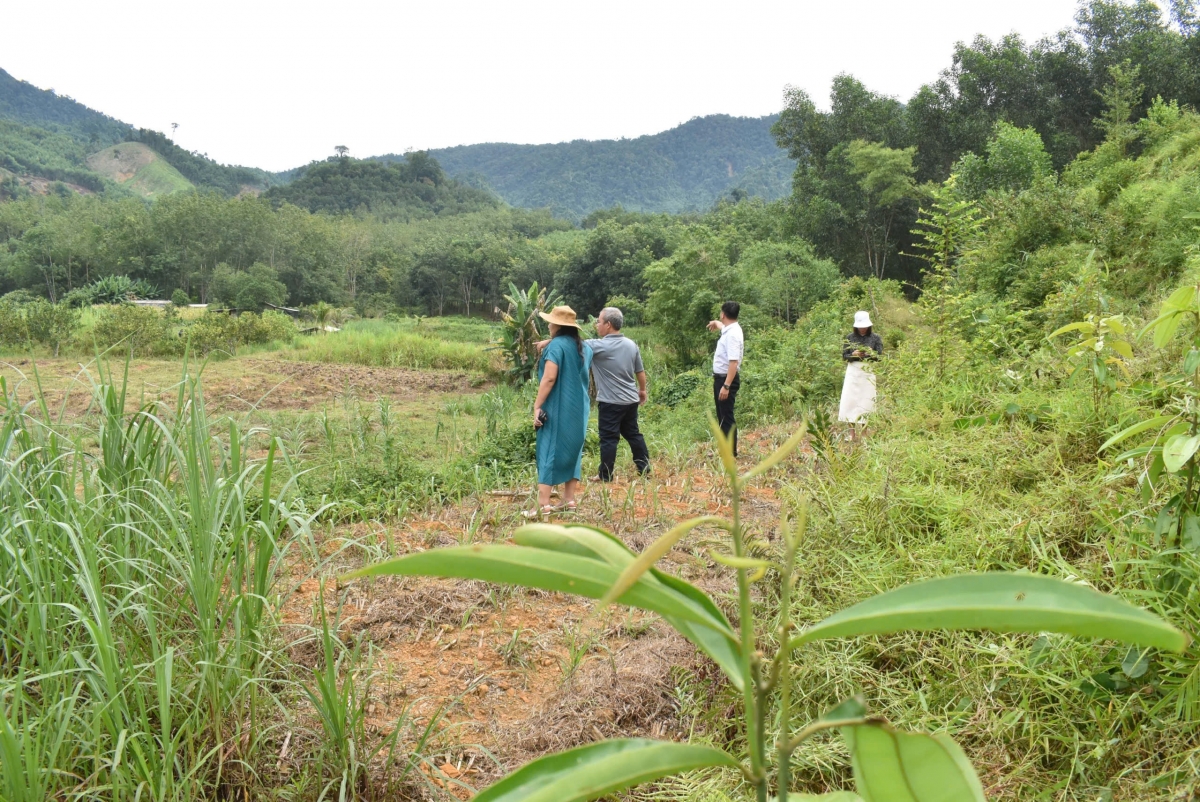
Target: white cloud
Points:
(275, 84)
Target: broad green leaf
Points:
(895, 766)
(1002, 602)
(836, 796)
(1137, 428)
(1082, 325)
(1165, 328)
(1115, 325)
(1121, 347)
(1181, 300)
(714, 640)
(653, 553)
(1178, 450)
(542, 569)
(583, 541)
(592, 771)
(1136, 662)
(780, 454)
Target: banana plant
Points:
(889, 765)
(521, 328)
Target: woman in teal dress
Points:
(563, 398)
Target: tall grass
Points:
(139, 554)
(385, 344)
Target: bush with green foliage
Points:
(141, 330)
(50, 324)
(179, 297)
(248, 290)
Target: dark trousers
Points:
(725, 408)
(617, 421)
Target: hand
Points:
(858, 353)
(537, 417)
(714, 325)
(642, 397)
(540, 345)
(724, 394)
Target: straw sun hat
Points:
(560, 316)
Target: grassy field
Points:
(178, 629)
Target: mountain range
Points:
(51, 142)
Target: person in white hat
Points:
(858, 388)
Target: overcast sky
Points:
(278, 84)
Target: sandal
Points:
(533, 515)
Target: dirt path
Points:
(522, 673)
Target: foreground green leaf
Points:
(713, 639)
(589, 772)
(894, 766)
(542, 569)
(1002, 602)
(653, 553)
(836, 796)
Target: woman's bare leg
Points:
(569, 490)
(543, 495)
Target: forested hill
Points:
(683, 169)
(47, 136)
(412, 189)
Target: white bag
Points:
(858, 394)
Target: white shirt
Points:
(729, 347)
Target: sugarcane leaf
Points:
(780, 454)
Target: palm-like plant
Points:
(521, 329)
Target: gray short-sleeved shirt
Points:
(616, 361)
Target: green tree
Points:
(886, 176)
(250, 289)
(1014, 161)
(788, 277)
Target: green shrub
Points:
(220, 332)
(50, 324)
(12, 323)
(251, 289)
(180, 298)
(141, 329)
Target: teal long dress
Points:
(560, 440)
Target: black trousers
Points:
(725, 408)
(617, 421)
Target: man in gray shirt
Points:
(620, 389)
(620, 383)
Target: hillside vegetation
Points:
(684, 169)
(49, 137)
(412, 189)
(139, 169)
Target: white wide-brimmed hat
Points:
(862, 320)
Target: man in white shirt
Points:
(727, 362)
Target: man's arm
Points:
(641, 380)
(716, 325)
